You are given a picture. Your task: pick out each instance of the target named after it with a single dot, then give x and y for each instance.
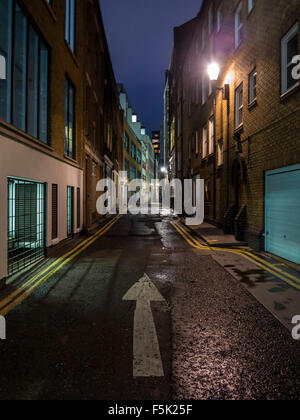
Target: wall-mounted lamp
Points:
(213, 70)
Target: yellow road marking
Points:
(288, 278)
(23, 292)
(253, 256)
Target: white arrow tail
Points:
(146, 353)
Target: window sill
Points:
(239, 129)
(72, 53)
(252, 105)
(70, 159)
(50, 10)
(26, 136)
(290, 92)
(251, 12)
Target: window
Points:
(220, 18)
(134, 118)
(26, 223)
(208, 190)
(70, 119)
(197, 92)
(238, 26)
(211, 145)
(70, 23)
(239, 106)
(133, 151)
(204, 143)
(127, 167)
(205, 89)
(78, 208)
(203, 38)
(220, 153)
(126, 142)
(24, 89)
(54, 211)
(6, 52)
(252, 86)
(70, 211)
(197, 143)
(132, 173)
(139, 157)
(210, 20)
(251, 4)
(289, 49)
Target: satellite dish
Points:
(2, 68)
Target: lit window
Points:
(134, 118)
(70, 119)
(238, 25)
(239, 106)
(220, 153)
(289, 49)
(204, 142)
(252, 86)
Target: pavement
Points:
(70, 331)
(214, 236)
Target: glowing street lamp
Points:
(213, 71)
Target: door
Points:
(70, 211)
(26, 223)
(283, 213)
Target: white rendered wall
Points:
(20, 161)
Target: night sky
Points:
(140, 38)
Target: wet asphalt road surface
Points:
(73, 337)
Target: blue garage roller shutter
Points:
(283, 213)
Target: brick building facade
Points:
(241, 133)
(61, 125)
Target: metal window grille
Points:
(54, 211)
(78, 208)
(70, 211)
(26, 223)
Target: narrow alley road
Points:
(72, 337)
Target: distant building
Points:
(136, 128)
(103, 116)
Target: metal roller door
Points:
(283, 213)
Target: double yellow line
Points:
(265, 265)
(20, 294)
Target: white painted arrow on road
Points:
(147, 360)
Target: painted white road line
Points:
(147, 360)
